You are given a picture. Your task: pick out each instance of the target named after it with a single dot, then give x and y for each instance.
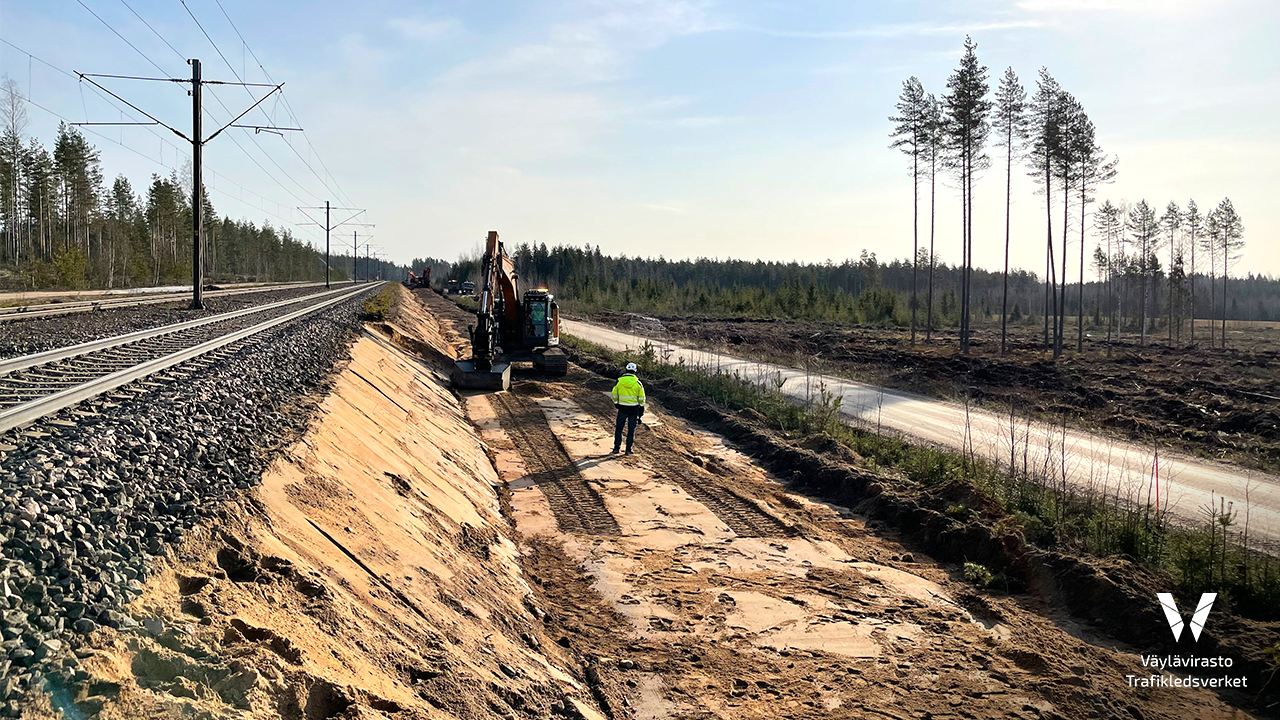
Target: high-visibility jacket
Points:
(628, 392)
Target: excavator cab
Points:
(509, 327)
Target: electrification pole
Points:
(329, 226)
(197, 194)
(197, 152)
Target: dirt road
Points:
(1085, 459)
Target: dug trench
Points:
(725, 586)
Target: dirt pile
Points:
(371, 575)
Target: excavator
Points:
(414, 282)
(509, 327)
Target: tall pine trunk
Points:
(1080, 310)
(1008, 204)
(1192, 339)
(915, 237)
(933, 174)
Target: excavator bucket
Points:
(467, 377)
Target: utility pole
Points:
(197, 194)
(197, 151)
(355, 257)
(330, 226)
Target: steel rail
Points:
(28, 312)
(48, 356)
(20, 415)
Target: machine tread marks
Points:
(744, 517)
(577, 506)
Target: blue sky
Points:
(666, 127)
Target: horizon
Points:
(668, 127)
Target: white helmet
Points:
(631, 367)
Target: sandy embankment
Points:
(370, 575)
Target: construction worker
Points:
(628, 397)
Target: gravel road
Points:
(1088, 460)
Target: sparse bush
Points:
(978, 574)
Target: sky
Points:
(680, 128)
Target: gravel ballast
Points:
(89, 502)
(25, 337)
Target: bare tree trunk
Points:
(1008, 204)
(1048, 255)
(933, 174)
(915, 237)
(1192, 339)
(1080, 311)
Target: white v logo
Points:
(1198, 618)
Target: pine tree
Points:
(1094, 169)
(1194, 224)
(1212, 230)
(967, 112)
(1011, 125)
(1231, 229)
(1146, 234)
(934, 147)
(1108, 225)
(1171, 222)
(1045, 141)
(910, 134)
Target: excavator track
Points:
(577, 506)
(744, 517)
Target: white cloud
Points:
(424, 30)
(594, 49)
(902, 30)
(1134, 5)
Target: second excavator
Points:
(509, 327)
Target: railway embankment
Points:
(311, 531)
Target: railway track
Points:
(34, 386)
(743, 516)
(52, 309)
(577, 506)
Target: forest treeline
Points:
(63, 227)
(1051, 133)
(863, 291)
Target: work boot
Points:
(628, 451)
(615, 451)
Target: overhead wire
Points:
(177, 149)
(216, 98)
(288, 107)
(264, 114)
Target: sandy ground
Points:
(372, 575)
(1085, 459)
(732, 598)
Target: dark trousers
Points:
(629, 416)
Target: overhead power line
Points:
(176, 149)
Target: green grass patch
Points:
(379, 306)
